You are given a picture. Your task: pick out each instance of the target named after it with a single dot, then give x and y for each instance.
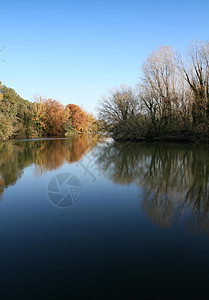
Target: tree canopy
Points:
(20, 118)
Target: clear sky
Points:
(75, 51)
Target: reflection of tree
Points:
(175, 179)
(2, 183)
(44, 154)
(79, 145)
(50, 155)
(11, 164)
(160, 208)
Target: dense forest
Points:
(20, 118)
(170, 103)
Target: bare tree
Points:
(119, 109)
(158, 90)
(172, 99)
(195, 70)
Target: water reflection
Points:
(174, 178)
(45, 154)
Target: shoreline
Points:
(167, 139)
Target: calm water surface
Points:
(87, 218)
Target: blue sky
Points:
(75, 51)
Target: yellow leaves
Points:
(92, 123)
(49, 115)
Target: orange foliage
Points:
(50, 155)
(77, 118)
(54, 117)
(50, 115)
(78, 147)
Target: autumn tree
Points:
(50, 116)
(92, 123)
(77, 120)
(6, 127)
(54, 117)
(39, 115)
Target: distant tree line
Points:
(171, 102)
(20, 118)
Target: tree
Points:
(195, 71)
(6, 127)
(119, 110)
(159, 91)
(50, 116)
(77, 119)
(92, 123)
(39, 115)
(54, 117)
(13, 109)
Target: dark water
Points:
(87, 218)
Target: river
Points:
(89, 218)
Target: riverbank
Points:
(174, 136)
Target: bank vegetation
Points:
(20, 118)
(171, 102)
